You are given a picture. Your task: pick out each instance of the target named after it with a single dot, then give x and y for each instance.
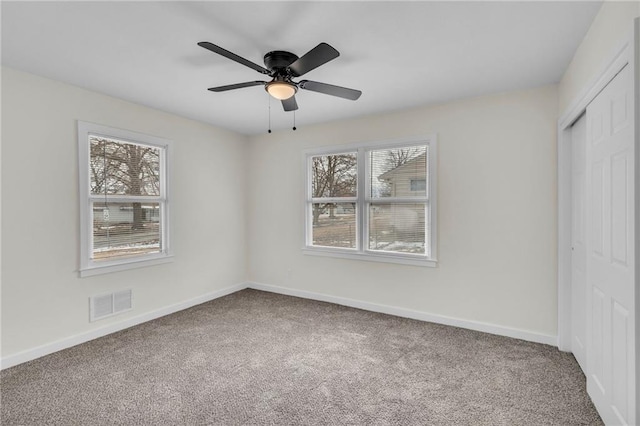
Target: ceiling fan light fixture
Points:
(281, 90)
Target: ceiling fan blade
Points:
(236, 86)
(319, 55)
(290, 104)
(330, 89)
(220, 51)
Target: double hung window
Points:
(373, 202)
(123, 196)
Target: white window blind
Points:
(397, 210)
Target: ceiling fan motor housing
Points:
(279, 60)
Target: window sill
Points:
(123, 265)
(370, 257)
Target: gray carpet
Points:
(264, 359)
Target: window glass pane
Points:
(125, 229)
(334, 175)
(334, 224)
(397, 228)
(122, 168)
(398, 172)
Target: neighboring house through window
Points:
(123, 199)
(418, 184)
(372, 201)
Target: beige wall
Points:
(610, 28)
(496, 189)
(43, 299)
(496, 204)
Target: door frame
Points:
(624, 55)
(628, 54)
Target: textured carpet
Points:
(264, 359)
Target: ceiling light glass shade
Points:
(281, 90)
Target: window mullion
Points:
(362, 223)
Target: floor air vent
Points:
(106, 305)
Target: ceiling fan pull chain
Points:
(269, 100)
(294, 119)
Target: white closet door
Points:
(578, 242)
(610, 252)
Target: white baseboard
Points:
(408, 313)
(40, 351)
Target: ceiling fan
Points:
(282, 67)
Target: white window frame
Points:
(363, 200)
(88, 267)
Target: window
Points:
(372, 202)
(123, 199)
(418, 184)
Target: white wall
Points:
(496, 209)
(611, 27)
(43, 299)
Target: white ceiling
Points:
(400, 54)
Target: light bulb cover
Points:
(281, 90)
